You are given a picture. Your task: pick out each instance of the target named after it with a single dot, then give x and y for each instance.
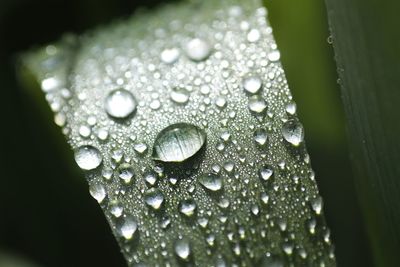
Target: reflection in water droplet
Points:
(98, 192)
(257, 104)
(120, 103)
(187, 207)
(127, 227)
(178, 142)
(198, 49)
(293, 132)
(211, 181)
(252, 84)
(88, 157)
(180, 95)
(154, 198)
(170, 55)
(182, 249)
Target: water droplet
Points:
(229, 166)
(120, 103)
(293, 132)
(170, 55)
(253, 36)
(180, 95)
(140, 148)
(98, 192)
(155, 104)
(211, 181)
(198, 49)
(260, 137)
(257, 104)
(150, 178)
(154, 198)
(85, 131)
(291, 108)
(264, 198)
(220, 102)
(182, 249)
(317, 205)
(187, 207)
(116, 209)
(274, 56)
(266, 172)
(127, 227)
(88, 157)
(178, 142)
(102, 134)
(125, 173)
(252, 84)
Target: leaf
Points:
(242, 190)
(366, 42)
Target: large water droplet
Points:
(88, 157)
(154, 198)
(120, 103)
(293, 132)
(252, 84)
(187, 207)
(211, 181)
(178, 142)
(125, 172)
(180, 95)
(257, 104)
(198, 49)
(182, 249)
(266, 172)
(127, 227)
(260, 137)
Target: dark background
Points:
(46, 213)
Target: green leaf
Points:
(366, 39)
(199, 86)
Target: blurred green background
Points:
(46, 213)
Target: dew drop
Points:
(85, 131)
(211, 182)
(154, 198)
(265, 172)
(187, 207)
(257, 104)
(178, 142)
(120, 103)
(260, 137)
(170, 55)
(180, 95)
(198, 49)
(88, 157)
(182, 249)
(127, 227)
(125, 173)
(293, 132)
(140, 148)
(253, 36)
(274, 56)
(291, 108)
(98, 192)
(317, 205)
(252, 84)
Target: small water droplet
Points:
(85, 131)
(116, 209)
(155, 104)
(220, 102)
(252, 84)
(140, 148)
(178, 142)
(317, 205)
(150, 178)
(274, 56)
(170, 55)
(211, 181)
(293, 132)
(260, 137)
(88, 158)
(257, 104)
(154, 198)
(187, 207)
(291, 108)
(180, 95)
(198, 49)
(182, 249)
(120, 103)
(98, 192)
(127, 227)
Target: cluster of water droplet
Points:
(188, 135)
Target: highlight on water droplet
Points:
(178, 142)
(88, 157)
